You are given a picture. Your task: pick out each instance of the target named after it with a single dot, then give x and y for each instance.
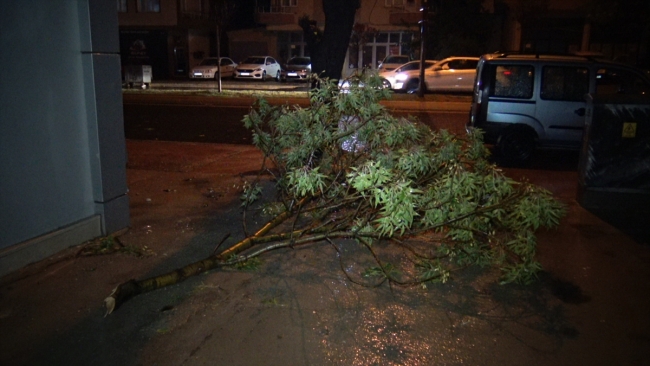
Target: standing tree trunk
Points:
(219, 55)
(328, 48)
(221, 11)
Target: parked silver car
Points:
(297, 68)
(209, 67)
(390, 77)
(453, 74)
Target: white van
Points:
(524, 102)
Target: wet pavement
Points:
(590, 306)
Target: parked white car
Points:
(258, 67)
(453, 74)
(391, 77)
(209, 67)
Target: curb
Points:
(202, 100)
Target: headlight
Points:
(401, 77)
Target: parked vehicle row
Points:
(254, 67)
(521, 102)
(453, 74)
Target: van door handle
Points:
(580, 112)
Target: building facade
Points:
(575, 26)
(171, 36)
(63, 166)
(386, 27)
(382, 28)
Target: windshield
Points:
(210, 62)
(254, 60)
(414, 65)
(396, 60)
(299, 61)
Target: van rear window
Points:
(569, 83)
(513, 81)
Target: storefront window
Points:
(384, 44)
(291, 44)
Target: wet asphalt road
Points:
(186, 123)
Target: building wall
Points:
(170, 41)
(377, 14)
(168, 15)
(282, 37)
(199, 47)
(62, 146)
(251, 42)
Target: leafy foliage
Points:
(348, 173)
(346, 168)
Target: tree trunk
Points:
(219, 55)
(132, 288)
(328, 49)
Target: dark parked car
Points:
(297, 68)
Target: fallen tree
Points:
(345, 168)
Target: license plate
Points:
(198, 74)
(292, 74)
(244, 73)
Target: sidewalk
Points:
(589, 308)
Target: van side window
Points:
(618, 81)
(564, 83)
(512, 81)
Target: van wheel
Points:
(516, 145)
